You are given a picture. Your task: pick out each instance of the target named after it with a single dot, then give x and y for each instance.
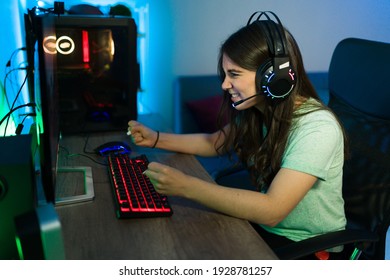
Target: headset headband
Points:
(277, 49)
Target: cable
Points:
(5, 82)
(12, 70)
(31, 104)
(21, 125)
(93, 152)
(13, 104)
(8, 64)
(82, 155)
(85, 146)
(20, 89)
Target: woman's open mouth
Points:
(234, 96)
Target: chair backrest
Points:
(188, 89)
(360, 97)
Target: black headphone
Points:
(275, 77)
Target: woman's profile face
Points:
(240, 83)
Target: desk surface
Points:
(92, 231)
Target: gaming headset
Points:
(275, 77)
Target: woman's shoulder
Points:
(314, 115)
(312, 109)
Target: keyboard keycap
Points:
(134, 194)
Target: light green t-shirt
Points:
(315, 146)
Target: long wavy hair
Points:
(263, 149)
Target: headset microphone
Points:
(243, 100)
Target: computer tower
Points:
(93, 64)
(39, 234)
(27, 230)
(17, 185)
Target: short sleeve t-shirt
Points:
(315, 146)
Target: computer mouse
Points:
(113, 147)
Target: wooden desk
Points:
(92, 231)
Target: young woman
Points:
(291, 143)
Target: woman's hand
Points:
(167, 180)
(141, 135)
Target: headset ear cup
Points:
(261, 79)
(274, 85)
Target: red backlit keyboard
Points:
(134, 194)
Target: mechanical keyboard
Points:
(134, 193)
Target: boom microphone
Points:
(243, 100)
